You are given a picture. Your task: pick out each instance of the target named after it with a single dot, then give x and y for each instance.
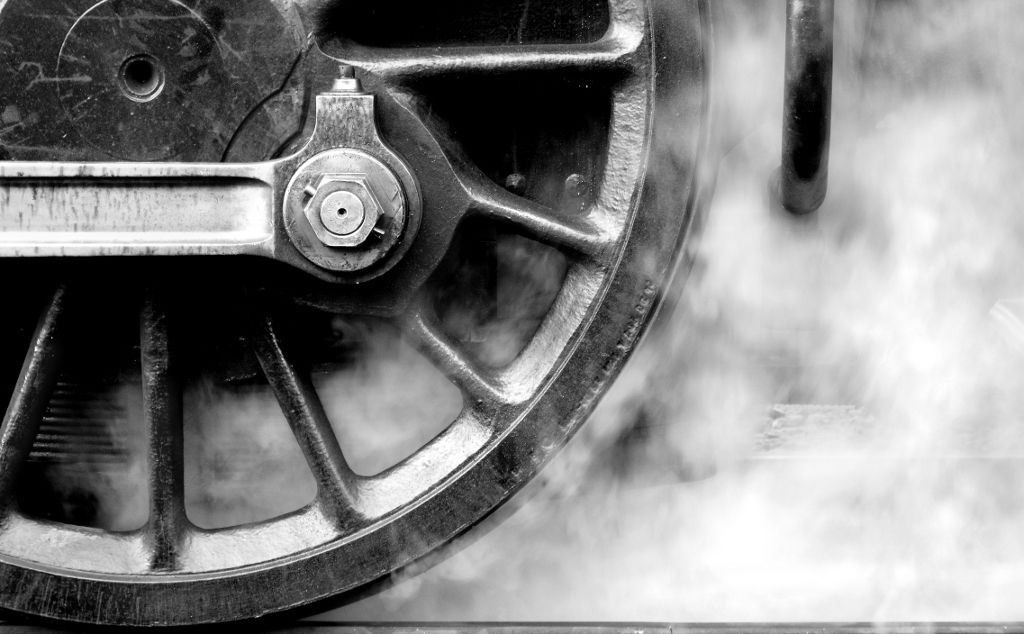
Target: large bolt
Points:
(346, 210)
(342, 213)
(343, 210)
(346, 80)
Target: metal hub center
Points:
(346, 210)
(342, 213)
(353, 203)
(142, 78)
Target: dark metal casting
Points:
(223, 65)
(807, 107)
(161, 395)
(38, 377)
(310, 425)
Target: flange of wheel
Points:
(345, 210)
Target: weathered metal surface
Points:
(126, 209)
(334, 188)
(806, 129)
(620, 248)
(305, 414)
(161, 396)
(88, 209)
(61, 64)
(38, 377)
(131, 209)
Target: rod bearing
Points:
(350, 210)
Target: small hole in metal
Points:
(142, 78)
(342, 211)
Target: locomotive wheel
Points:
(361, 529)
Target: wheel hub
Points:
(353, 206)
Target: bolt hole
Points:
(142, 78)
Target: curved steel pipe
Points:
(807, 108)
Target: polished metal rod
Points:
(807, 106)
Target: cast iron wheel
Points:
(621, 246)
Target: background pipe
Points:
(807, 107)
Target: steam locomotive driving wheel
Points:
(215, 188)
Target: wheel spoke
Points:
(544, 224)
(305, 414)
(613, 54)
(162, 411)
(474, 382)
(38, 377)
(574, 233)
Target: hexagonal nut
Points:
(355, 184)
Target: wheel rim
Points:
(362, 529)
